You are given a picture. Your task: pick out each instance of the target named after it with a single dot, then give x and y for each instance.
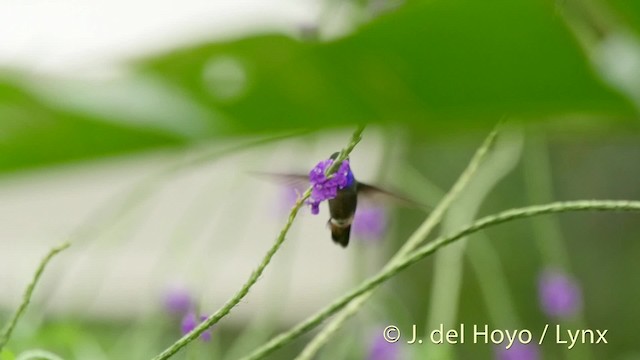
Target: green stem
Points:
(255, 275)
(418, 236)
(5, 335)
(548, 233)
(448, 264)
(438, 213)
(485, 262)
(432, 247)
(539, 188)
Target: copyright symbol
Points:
(391, 334)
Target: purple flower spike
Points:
(559, 294)
(370, 224)
(327, 189)
(177, 300)
(189, 323)
(518, 351)
(381, 349)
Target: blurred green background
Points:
(430, 78)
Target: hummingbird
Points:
(342, 208)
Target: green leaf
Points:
(435, 61)
(33, 134)
(6, 354)
(442, 64)
(628, 11)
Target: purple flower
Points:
(370, 223)
(381, 349)
(559, 294)
(189, 322)
(518, 351)
(178, 300)
(326, 189)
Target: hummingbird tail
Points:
(341, 234)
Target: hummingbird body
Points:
(342, 209)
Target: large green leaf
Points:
(33, 134)
(450, 63)
(628, 11)
(434, 61)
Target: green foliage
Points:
(628, 11)
(33, 133)
(431, 65)
(428, 63)
(6, 354)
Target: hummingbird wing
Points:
(377, 194)
(296, 181)
(366, 191)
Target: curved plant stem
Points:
(448, 265)
(255, 275)
(432, 247)
(418, 236)
(5, 335)
(547, 232)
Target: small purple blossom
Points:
(189, 323)
(178, 300)
(370, 223)
(326, 189)
(518, 351)
(559, 294)
(381, 349)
